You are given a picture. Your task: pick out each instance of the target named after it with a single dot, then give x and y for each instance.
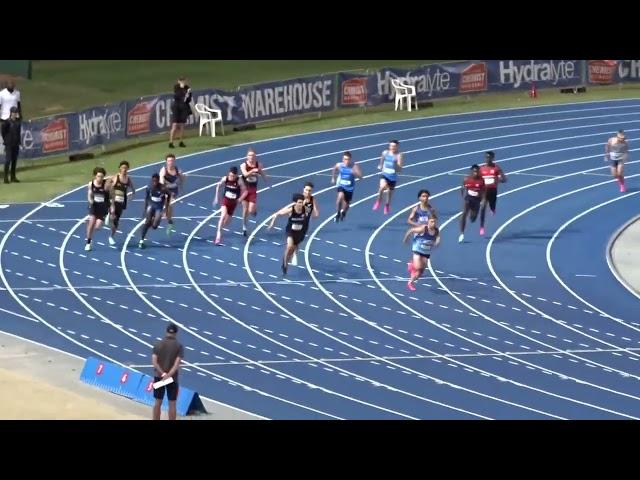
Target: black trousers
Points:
(10, 160)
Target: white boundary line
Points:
(404, 357)
(542, 314)
(524, 302)
(260, 334)
(545, 316)
(366, 255)
(382, 287)
(168, 319)
(557, 277)
(367, 259)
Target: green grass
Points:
(43, 179)
(65, 86)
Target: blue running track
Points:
(526, 323)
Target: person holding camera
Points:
(180, 109)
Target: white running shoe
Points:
(87, 247)
(112, 241)
(461, 238)
(294, 259)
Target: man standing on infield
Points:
(166, 358)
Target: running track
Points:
(528, 322)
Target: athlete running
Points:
(391, 163)
(347, 172)
(491, 173)
(173, 179)
(119, 185)
(250, 169)
(155, 201)
(421, 213)
(295, 227)
(616, 152)
(473, 193)
(234, 192)
(98, 197)
(425, 239)
(312, 209)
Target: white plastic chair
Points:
(404, 91)
(208, 117)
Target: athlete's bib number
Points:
(98, 198)
(156, 199)
(119, 198)
(296, 226)
(172, 186)
(616, 155)
(230, 195)
(473, 193)
(389, 170)
(489, 180)
(252, 179)
(345, 182)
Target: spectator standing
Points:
(9, 98)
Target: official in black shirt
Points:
(11, 130)
(180, 109)
(166, 358)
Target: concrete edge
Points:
(216, 410)
(610, 262)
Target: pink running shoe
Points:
(411, 286)
(218, 241)
(376, 205)
(623, 188)
(482, 231)
(386, 209)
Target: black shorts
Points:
(172, 390)
(99, 210)
(297, 237)
(153, 213)
(615, 163)
(473, 203)
(390, 183)
(305, 229)
(118, 208)
(425, 255)
(180, 112)
(173, 193)
(492, 197)
(348, 196)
